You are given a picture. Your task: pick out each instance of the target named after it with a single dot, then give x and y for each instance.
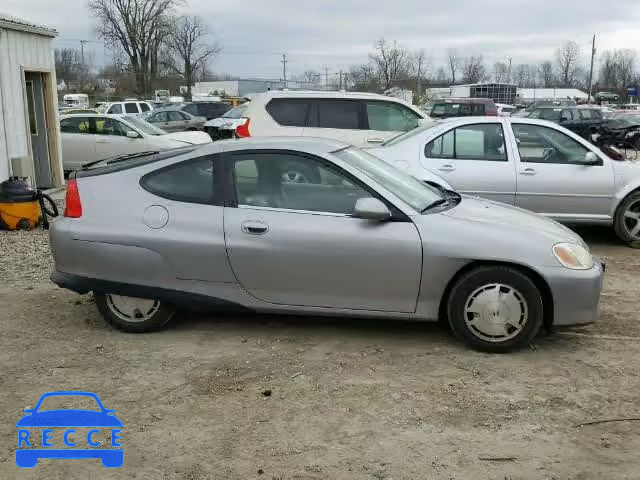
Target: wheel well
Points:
(535, 277)
(615, 214)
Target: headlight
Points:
(573, 256)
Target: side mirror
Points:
(371, 209)
(132, 134)
(591, 159)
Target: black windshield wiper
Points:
(119, 158)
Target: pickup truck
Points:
(581, 120)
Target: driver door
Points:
(112, 140)
(297, 243)
(554, 178)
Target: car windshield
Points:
(624, 120)
(236, 112)
(547, 114)
(144, 126)
(424, 126)
(413, 192)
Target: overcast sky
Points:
(337, 33)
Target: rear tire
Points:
(495, 309)
(133, 315)
(627, 219)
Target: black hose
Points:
(45, 211)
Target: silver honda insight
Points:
(316, 227)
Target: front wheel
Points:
(495, 309)
(627, 220)
(133, 315)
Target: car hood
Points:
(478, 210)
(69, 418)
(188, 138)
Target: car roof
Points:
(311, 144)
(464, 100)
(322, 94)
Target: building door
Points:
(38, 129)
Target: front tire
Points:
(627, 220)
(495, 309)
(133, 315)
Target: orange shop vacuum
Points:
(23, 208)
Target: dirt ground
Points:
(349, 399)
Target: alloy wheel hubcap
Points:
(632, 220)
(496, 312)
(294, 177)
(131, 309)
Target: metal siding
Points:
(19, 50)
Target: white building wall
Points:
(230, 87)
(20, 51)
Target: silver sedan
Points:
(173, 120)
(533, 164)
(315, 227)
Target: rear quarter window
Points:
(191, 181)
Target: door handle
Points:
(447, 168)
(375, 140)
(254, 227)
(528, 171)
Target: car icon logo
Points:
(36, 433)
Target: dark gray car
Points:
(173, 120)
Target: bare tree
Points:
(187, 48)
(418, 65)
(454, 63)
(546, 75)
(441, 75)
(137, 27)
(310, 77)
(67, 64)
(567, 57)
(391, 61)
(524, 75)
(617, 69)
(364, 78)
(473, 69)
(500, 72)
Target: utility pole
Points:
(326, 78)
(82, 42)
(593, 56)
(340, 83)
(509, 59)
(284, 68)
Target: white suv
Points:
(128, 107)
(358, 118)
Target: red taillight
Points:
(73, 206)
(242, 131)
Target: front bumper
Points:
(576, 293)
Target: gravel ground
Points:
(348, 398)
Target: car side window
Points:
(192, 109)
(144, 107)
(342, 114)
(191, 181)
(538, 144)
(390, 117)
(585, 114)
(131, 107)
(482, 141)
(111, 126)
(75, 125)
(160, 117)
(175, 116)
(116, 109)
(293, 182)
(289, 112)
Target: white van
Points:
(77, 100)
(128, 107)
